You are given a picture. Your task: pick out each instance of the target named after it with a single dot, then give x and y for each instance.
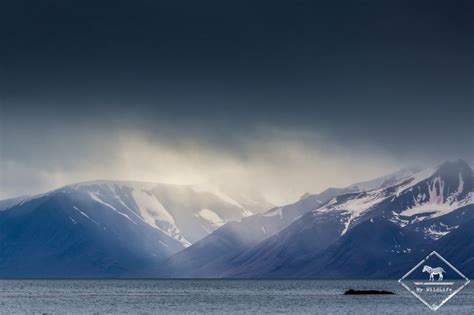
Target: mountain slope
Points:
(185, 213)
(212, 254)
(441, 197)
(234, 237)
(106, 229)
(48, 237)
(7, 203)
(375, 248)
(425, 206)
(459, 247)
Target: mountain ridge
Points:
(138, 229)
(318, 230)
(132, 226)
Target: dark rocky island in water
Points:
(364, 292)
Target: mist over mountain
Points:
(373, 229)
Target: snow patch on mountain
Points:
(412, 181)
(435, 203)
(273, 212)
(183, 212)
(435, 231)
(354, 206)
(96, 198)
(424, 195)
(85, 215)
(151, 209)
(435, 207)
(212, 217)
(155, 214)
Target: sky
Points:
(278, 97)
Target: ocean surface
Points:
(215, 297)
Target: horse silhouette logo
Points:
(434, 271)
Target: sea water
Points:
(216, 297)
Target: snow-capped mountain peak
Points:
(386, 180)
(184, 213)
(425, 195)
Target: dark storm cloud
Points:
(391, 76)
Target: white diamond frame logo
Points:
(435, 279)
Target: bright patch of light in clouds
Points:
(280, 165)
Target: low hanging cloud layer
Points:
(281, 166)
(278, 162)
(43, 148)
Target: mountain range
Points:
(374, 229)
(375, 233)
